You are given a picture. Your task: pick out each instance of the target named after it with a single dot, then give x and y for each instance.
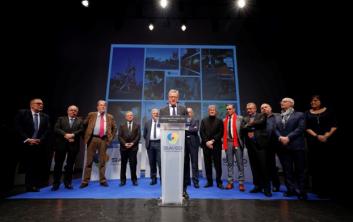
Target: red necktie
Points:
(101, 126)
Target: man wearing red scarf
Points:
(233, 146)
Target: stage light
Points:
(151, 27)
(241, 3)
(163, 3)
(85, 3)
(183, 27)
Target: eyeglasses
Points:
(229, 108)
(39, 103)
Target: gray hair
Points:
(173, 91)
(288, 100)
(101, 101)
(212, 106)
(154, 109)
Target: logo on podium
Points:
(172, 138)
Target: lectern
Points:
(172, 158)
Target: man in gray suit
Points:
(152, 136)
(173, 109)
(233, 146)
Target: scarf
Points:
(234, 129)
(285, 116)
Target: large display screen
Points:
(140, 77)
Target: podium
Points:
(172, 159)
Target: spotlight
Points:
(151, 27)
(163, 3)
(241, 3)
(85, 3)
(183, 27)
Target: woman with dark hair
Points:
(320, 127)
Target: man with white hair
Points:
(290, 127)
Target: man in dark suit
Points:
(273, 145)
(129, 137)
(33, 129)
(192, 144)
(174, 109)
(68, 130)
(152, 136)
(100, 131)
(254, 130)
(211, 132)
(290, 127)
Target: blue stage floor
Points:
(146, 191)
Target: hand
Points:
(251, 135)
(69, 136)
(322, 138)
(209, 144)
(33, 141)
(284, 140)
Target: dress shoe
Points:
(289, 193)
(208, 185)
(83, 185)
(186, 195)
(122, 183)
(104, 184)
(229, 186)
(196, 185)
(302, 196)
(55, 187)
(241, 187)
(69, 186)
(153, 182)
(220, 186)
(267, 192)
(134, 183)
(32, 189)
(275, 189)
(255, 190)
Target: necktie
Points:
(230, 127)
(101, 126)
(71, 122)
(129, 127)
(174, 113)
(36, 127)
(155, 130)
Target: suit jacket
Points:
(193, 132)
(25, 126)
(126, 137)
(259, 128)
(90, 122)
(211, 129)
(62, 126)
(147, 133)
(294, 129)
(181, 111)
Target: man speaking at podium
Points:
(174, 109)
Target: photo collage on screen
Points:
(140, 77)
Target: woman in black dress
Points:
(320, 127)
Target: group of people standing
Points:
(264, 134)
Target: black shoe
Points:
(220, 186)
(196, 185)
(134, 183)
(83, 185)
(267, 192)
(153, 182)
(208, 185)
(289, 193)
(186, 195)
(104, 184)
(55, 187)
(122, 183)
(255, 190)
(302, 196)
(69, 186)
(32, 189)
(275, 189)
